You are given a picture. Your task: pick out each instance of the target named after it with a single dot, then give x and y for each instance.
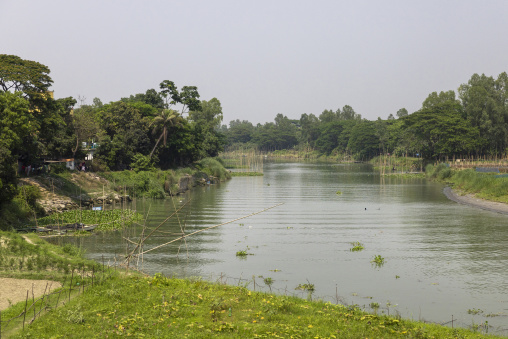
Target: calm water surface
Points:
(441, 258)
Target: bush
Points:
(213, 167)
(441, 171)
(141, 162)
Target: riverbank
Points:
(487, 191)
(473, 201)
(47, 194)
(98, 301)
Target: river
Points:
(442, 259)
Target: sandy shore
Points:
(471, 200)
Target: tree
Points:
(16, 128)
(309, 128)
(328, 116)
(440, 131)
(85, 126)
(25, 76)
(188, 96)
(207, 122)
(364, 141)
(151, 97)
(486, 107)
(162, 123)
(124, 132)
(434, 99)
(348, 113)
(239, 131)
(401, 113)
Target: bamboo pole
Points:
(205, 229)
(141, 241)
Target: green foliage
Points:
(38, 258)
(486, 109)
(363, 142)
(241, 253)
(15, 128)
(170, 308)
(29, 77)
(105, 220)
(378, 260)
(246, 174)
(440, 131)
(278, 135)
(357, 246)
(306, 287)
(141, 162)
(213, 167)
(440, 172)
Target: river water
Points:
(442, 259)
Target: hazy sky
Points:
(260, 58)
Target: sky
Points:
(261, 58)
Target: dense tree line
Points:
(474, 124)
(143, 131)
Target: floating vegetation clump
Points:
(357, 246)
(105, 220)
(378, 260)
(338, 192)
(305, 287)
(246, 174)
(241, 253)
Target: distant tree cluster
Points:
(475, 123)
(142, 131)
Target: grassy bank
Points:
(158, 183)
(83, 187)
(397, 165)
(175, 308)
(97, 302)
(490, 186)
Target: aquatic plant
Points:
(357, 246)
(241, 253)
(305, 287)
(378, 260)
(268, 282)
(474, 311)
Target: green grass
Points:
(41, 260)
(120, 304)
(483, 185)
(175, 308)
(158, 184)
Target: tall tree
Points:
(16, 128)
(364, 141)
(440, 131)
(26, 76)
(401, 113)
(188, 96)
(161, 125)
(434, 99)
(207, 122)
(486, 106)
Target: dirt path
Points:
(14, 290)
(471, 200)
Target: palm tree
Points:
(167, 118)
